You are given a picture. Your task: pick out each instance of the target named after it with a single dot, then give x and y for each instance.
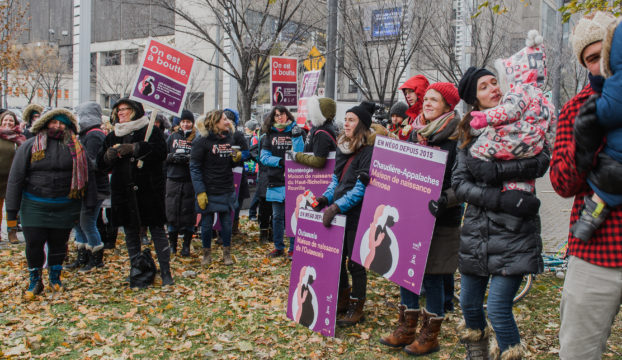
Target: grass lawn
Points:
(235, 312)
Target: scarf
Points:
(79, 173)
(122, 129)
(432, 131)
(281, 127)
(12, 135)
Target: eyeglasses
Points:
(124, 109)
(279, 115)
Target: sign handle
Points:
(154, 113)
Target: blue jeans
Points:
(86, 232)
(207, 219)
(278, 226)
(434, 295)
(500, 300)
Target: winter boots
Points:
(36, 284)
(476, 342)
(82, 258)
(343, 300)
(406, 331)
(354, 314)
(172, 240)
(264, 235)
(165, 273)
(515, 352)
(235, 228)
(226, 255)
(207, 257)
(13, 236)
(95, 259)
(427, 339)
(590, 219)
(54, 277)
(185, 249)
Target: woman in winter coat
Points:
(240, 142)
(264, 207)
(282, 134)
(413, 89)
(180, 212)
(88, 239)
(47, 182)
(137, 191)
(436, 126)
(31, 113)
(500, 239)
(344, 195)
(211, 167)
(321, 139)
(10, 138)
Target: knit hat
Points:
(590, 29)
(399, 109)
(527, 66)
(89, 115)
(363, 112)
(320, 109)
(232, 115)
(252, 125)
(467, 87)
(187, 115)
(448, 91)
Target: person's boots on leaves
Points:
(54, 272)
(427, 339)
(172, 239)
(406, 331)
(207, 257)
(226, 255)
(185, 248)
(82, 257)
(165, 273)
(354, 314)
(343, 300)
(36, 284)
(475, 341)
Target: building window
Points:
(131, 56)
(352, 88)
(108, 100)
(111, 58)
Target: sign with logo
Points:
(163, 77)
(283, 81)
(310, 80)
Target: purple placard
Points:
(298, 179)
(237, 180)
(395, 228)
(159, 91)
(284, 94)
(314, 277)
(310, 81)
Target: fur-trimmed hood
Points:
(40, 123)
(320, 110)
(29, 111)
(610, 60)
(201, 126)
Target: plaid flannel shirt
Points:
(605, 247)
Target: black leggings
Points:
(35, 241)
(158, 236)
(357, 271)
(265, 213)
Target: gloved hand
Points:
(236, 155)
(292, 154)
(588, 135)
(110, 155)
(329, 214)
(519, 203)
(482, 170)
(322, 201)
(181, 158)
(437, 206)
(202, 200)
(478, 120)
(125, 149)
(297, 131)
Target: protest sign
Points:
(310, 80)
(283, 81)
(395, 226)
(300, 178)
(163, 77)
(314, 277)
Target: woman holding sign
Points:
(345, 195)
(500, 239)
(436, 126)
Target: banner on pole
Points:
(284, 81)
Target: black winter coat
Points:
(137, 194)
(211, 164)
(178, 156)
(179, 191)
(493, 242)
(240, 140)
(358, 169)
(321, 140)
(93, 140)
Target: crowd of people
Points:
(65, 166)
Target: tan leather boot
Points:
(226, 255)
(406, 329)
(343, 300)
(207, 257)
(354, 314)
(427, 339)
(13, 236)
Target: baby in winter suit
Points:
(517, 127)
(609, 111)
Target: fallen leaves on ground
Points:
(221, 312)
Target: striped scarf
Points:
(79, 174)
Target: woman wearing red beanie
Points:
(436, 126)
(413, 89)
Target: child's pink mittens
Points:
(479, 120)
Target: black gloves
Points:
(519, 203)
(297, 131)
(588, 135)
(110, 155)
(483, 170)
(606, 174)
(329, 214)
(322, 201)
(125, 149)
(438, 206)
(177, 158)
(496, 172)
